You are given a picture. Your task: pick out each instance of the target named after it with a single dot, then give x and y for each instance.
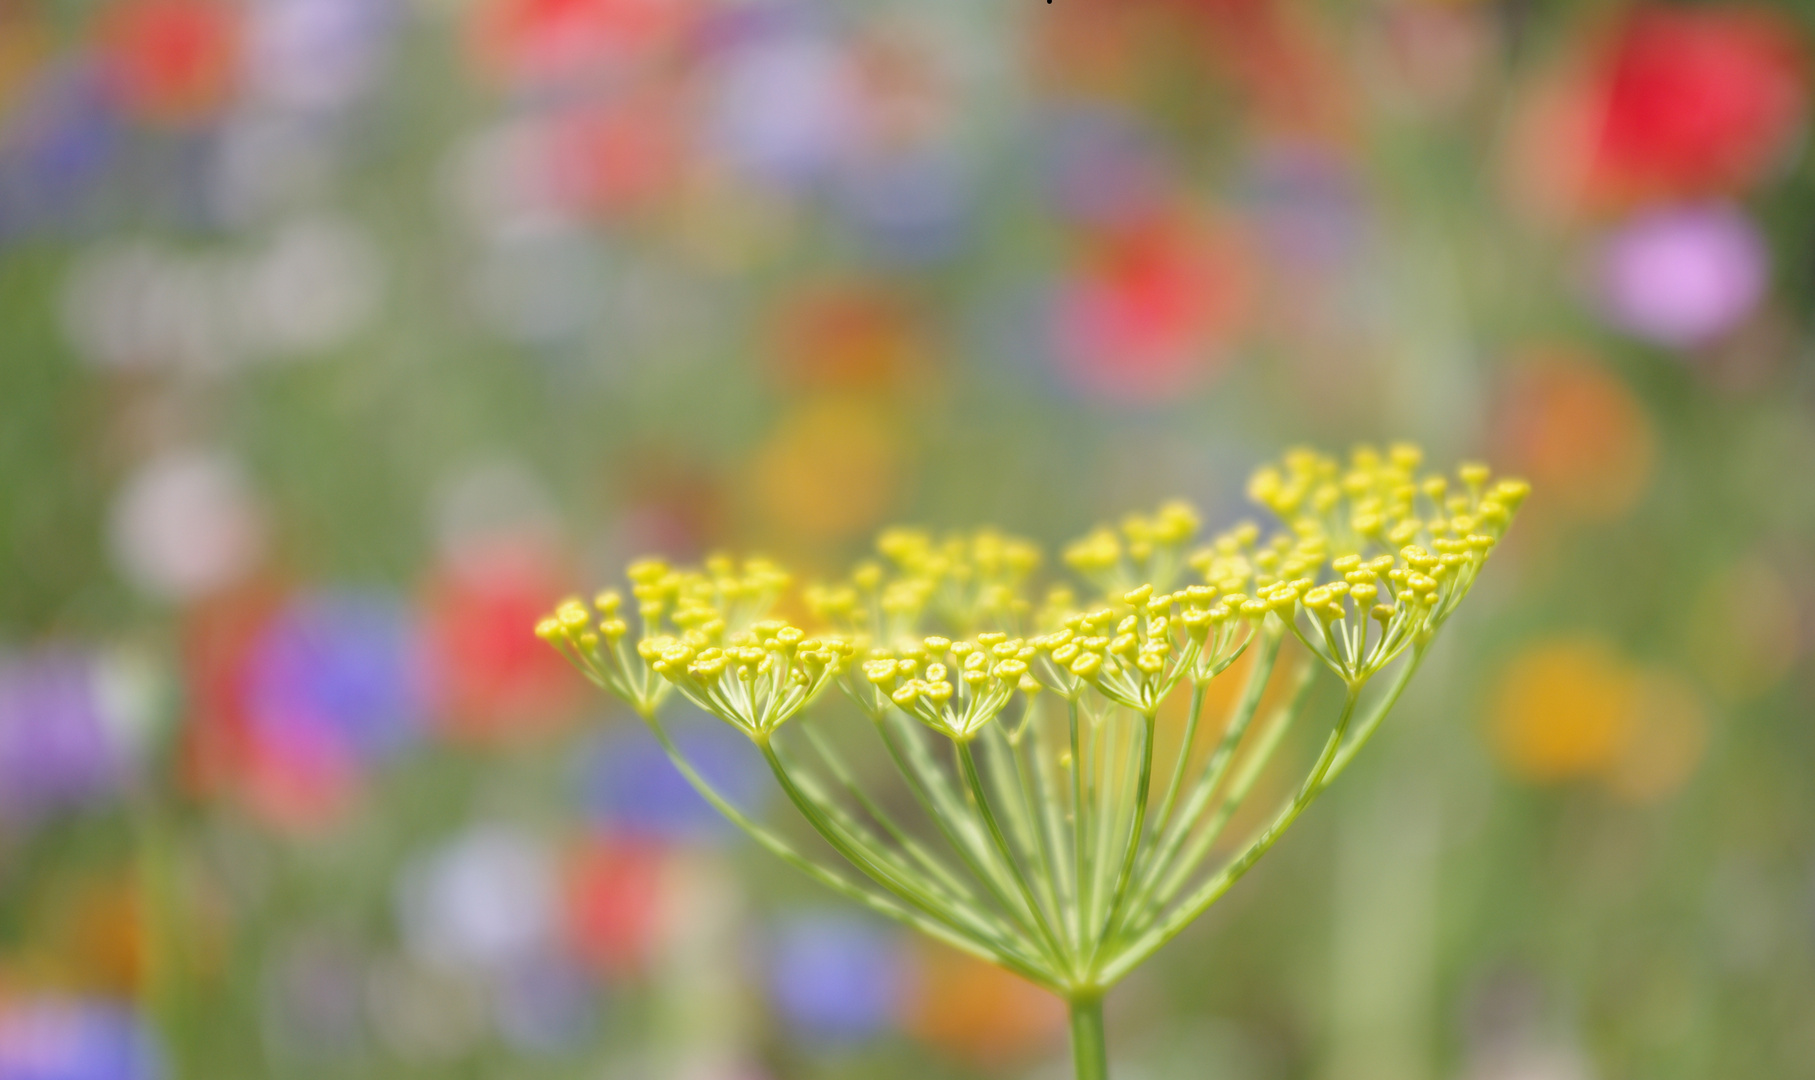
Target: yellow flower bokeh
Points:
(1575, 707)
(831, 470)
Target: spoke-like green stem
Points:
(968, 762)
(1004, 778)
(905, 887)
(1037, 821)
(954, 822)
(933, 865)
(946, 806)
(1175, 835)
(1163, 817)
(1254, 762)
(1118, 901)
(1212, 890)
(1089, 1050)
(862, 837)
(838, 883)
(1079, 823)
(1365, 730)
(1106, 811)
(1032, 757)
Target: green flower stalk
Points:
(1052, 838)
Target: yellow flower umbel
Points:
(1026, 733)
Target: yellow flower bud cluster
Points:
(965, 579)
(953, 687)
(1138, 658)
(1374, 556)
(700, 604)
(1145, 550)
(1400, 549)
(1382, 500)
(754, 679)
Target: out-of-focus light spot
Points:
(316, 54)
(614, 888)
(1307, 207)
(1576, 431)
(59, 1038)
(270, 162)
(1700, 99)
(831, 470)
(1509, 1037)
(485, 900)
(629, 786)
(316, 282)
(977, 1013)
(58, 145)
(92, 933)
(497, 183)
(1682, 277)
(542, 43)
(217, 635)
(290, 716)
(319, 282)
(727, 226)
(545, 1004)
(1669, 740)
(614, 157)
(23, 48)
(1563, 708)
(172, 61)
(905, 71)
(493, 681)
(1151, 317)
(1745, 632)
(425, 1015)
(338, 680)
(56, 746)
(1102, 169)
(1437, 53)
(1677, 102)
(132, 686)
(835, 977)
(912, 207)
(500, 551)
(781, 111)
(541, 284)
(137, 305)
(311, 993)
(187, 524)
(495, 518)
(850, 336)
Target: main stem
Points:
(1089, 1052)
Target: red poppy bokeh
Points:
(1699, 101)
(540, 42)
(1153, 313)
(172, 62)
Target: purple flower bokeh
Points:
(57, 749)
(75, 1039)
(339, 679)
(835, 978)
(628, 785)
(1682, 277)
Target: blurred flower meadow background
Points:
(342, 337)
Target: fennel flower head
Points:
(1023, 716)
